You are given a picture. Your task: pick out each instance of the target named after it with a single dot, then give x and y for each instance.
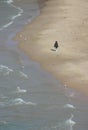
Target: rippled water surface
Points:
(30, 98)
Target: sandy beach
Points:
(67, 22)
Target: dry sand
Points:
(67, 22)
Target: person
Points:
(56, 44)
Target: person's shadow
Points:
(53, 49)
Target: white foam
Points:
(70, 123)
(23, 75)
(9, 1)
(19, 90)
(19, 101)
(30, 103)
(14, 17)
(20, 11)
(69, 106)
(6, 25)
(5, 70)
(67, 125)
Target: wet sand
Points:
(67, 22)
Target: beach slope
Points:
(65, 21)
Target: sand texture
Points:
(67, 22)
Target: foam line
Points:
(70, 123)
(20, 101)
(13, 17)
(23, 75)
(19, 90)
(5, 70)
(69, 106)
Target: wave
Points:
(4, 70)
(15, 102)
(14, 17)
(23, 75)
(69, 106)
(6, 25)
(20, 101)
(65, 125)
(20, 11)
(70, 123)
(19, 90)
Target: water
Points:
(30, 98)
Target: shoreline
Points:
(66, 22)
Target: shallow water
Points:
(30, 98)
